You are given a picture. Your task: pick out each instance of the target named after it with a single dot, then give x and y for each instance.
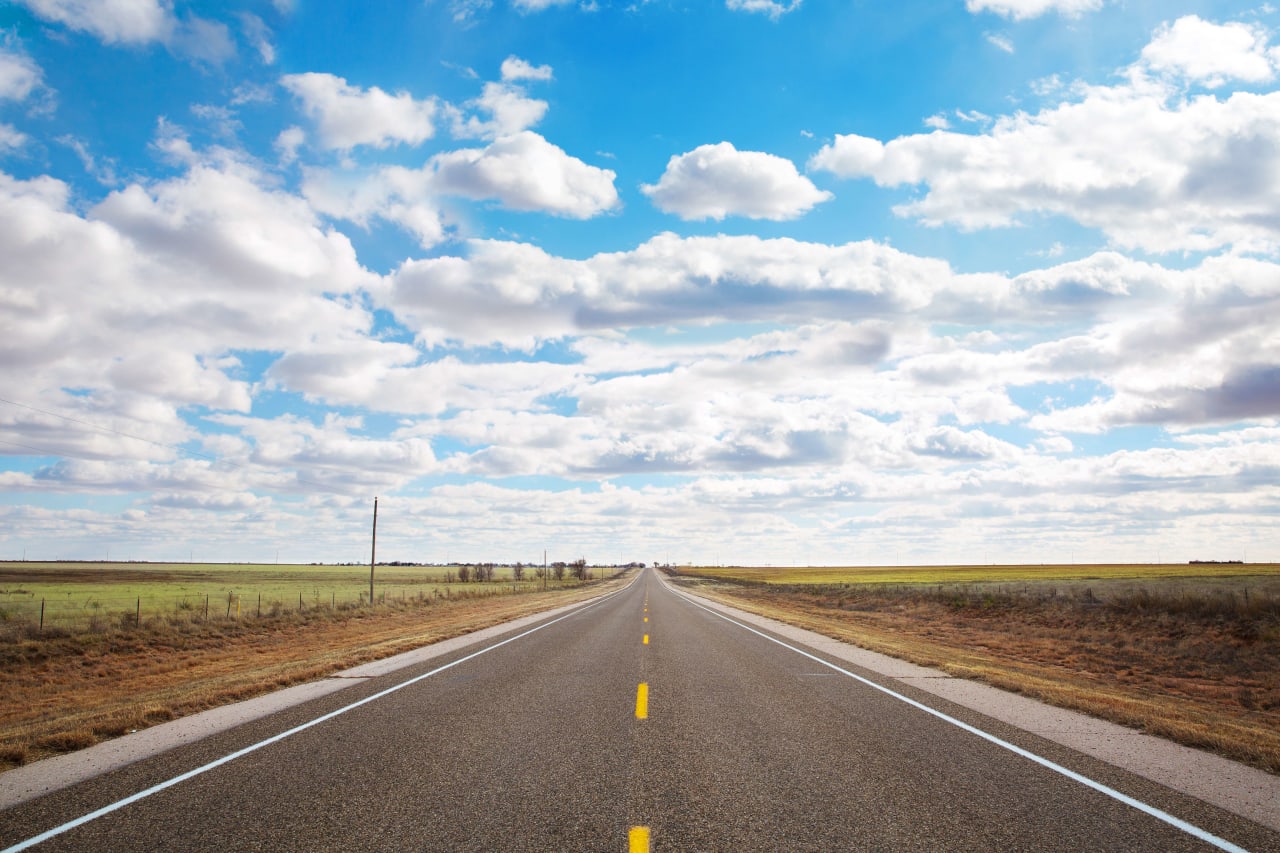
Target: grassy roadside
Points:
(64, 693)
(1200, 669)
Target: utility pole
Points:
(373, 550)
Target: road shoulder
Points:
(1229, 785)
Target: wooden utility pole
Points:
(373, 550)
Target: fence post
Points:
(206, 607)
(299, 602)
(259, 605)
(137, 614)
(42, 616)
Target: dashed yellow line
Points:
(638, 839)
(642, 701)
(646, 639)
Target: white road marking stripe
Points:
(1190, 829)
(169, 783)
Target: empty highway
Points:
(642, 721)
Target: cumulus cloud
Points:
(1020, 10)
(1212, 54)
(1149, 168)
(715, 181)
(515, 68)
(510, 111)
(517, 294)
(347, 116)
(19, 75)
(538, 5)
(141, 303)
(770, 8)
(113, 21)
(524, 171)
(521, 172)
(138, 22)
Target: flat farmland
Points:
(1260, 573)
(92, 596)
(1190, 652)
(98, 671)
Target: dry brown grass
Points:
(1202, 669)
(63, 693)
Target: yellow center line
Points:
(638, 839)
(646, 639)
(642, 701)
(646, 618)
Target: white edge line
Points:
(204, 768)
(1190, 829)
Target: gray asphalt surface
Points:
(535, 745)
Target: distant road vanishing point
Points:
(640, 721)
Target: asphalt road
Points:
(542, 742)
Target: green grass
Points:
(76, 595)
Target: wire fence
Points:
(97, 614)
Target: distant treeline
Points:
(1215, 562)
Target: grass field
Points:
(943, 575)
(1186, 652)
(75, 684)
(91, 596)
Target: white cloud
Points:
(1146, 166)
(526, 172)
(125, 21)
(1212, 54)
(19, 75)
(1020, 10)
(1000, 42)
(11, 138)
(288, 142)
(140, 305)
(509, 108)
(715, 181)
(394, 194)
(205, 41)
(539, 5)
(347, 116)
(517, 294)
(515, 68)
(259, 35)
(139, 22)
(771, 8)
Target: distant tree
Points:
(517, 572)
(557, 570)
(579, 568)
(464, 573)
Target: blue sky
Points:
(724, 281)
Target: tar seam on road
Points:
(1178, 823)
(169, 783)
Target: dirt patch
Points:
(1201, 670)
(63, 693)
